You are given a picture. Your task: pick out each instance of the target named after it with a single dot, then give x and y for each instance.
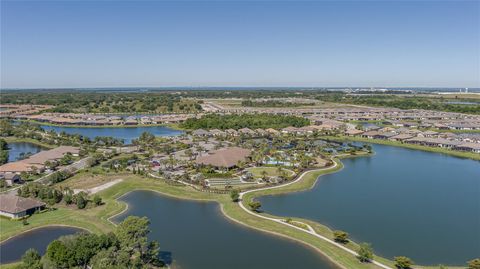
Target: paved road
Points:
(310, 229)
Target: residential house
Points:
(15, 207)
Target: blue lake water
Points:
(196, 235)
(16, 149)
(418, 204)
(125, 133)
(13, 249)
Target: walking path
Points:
(310, 229)
(99, 188)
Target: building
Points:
(470, 147)
(400, 137)
(225, 157)
(353, 132)
(15, 207)
(10, 178)
(200, 132)
(19, 167)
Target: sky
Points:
(58, 44)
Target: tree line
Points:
(238, 121)
(126, 247)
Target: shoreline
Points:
(44, 226)
(14, 139)
(458, 154)
(231, 211)
(227, 218)
(174, 126)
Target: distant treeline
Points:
(252, 121)
(91, 102)
(403, 102)
(273, 103)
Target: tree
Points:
(403, 262)
(264, 174)
(365, 253)
(474, 264)
(31, 260)
(6, 128)
(97, 200)
(66, 159)
(132, 235)
(340, 236)
(81, 201)
(234, 195)
(254, 205)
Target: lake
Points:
(16, 149)
(13, 249)
(197, 235)
(413, 203)
(125, 133)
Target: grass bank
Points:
(172, 126)
(13, 139)
(460, 154)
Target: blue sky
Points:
(233, 43)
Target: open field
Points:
(257, 172)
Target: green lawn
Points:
(270, 171)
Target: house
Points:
(353, 132)
(217, 132)
(307, 130)
(246, 131)
(200, 132)
(433, 142)
(131, 121)
(10, 178)
(386, 135)
(231, 132)
(470, 147)
(400, 137)
(289, 130)
(51, 155)
(272, 131)
(225, 157)
(370, 134)
(428, 134)
(15, 207)
(18, 167)
(261, 131)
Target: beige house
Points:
(225, 157)
(15, 207)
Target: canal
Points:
(196, 235)
(404, 202)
